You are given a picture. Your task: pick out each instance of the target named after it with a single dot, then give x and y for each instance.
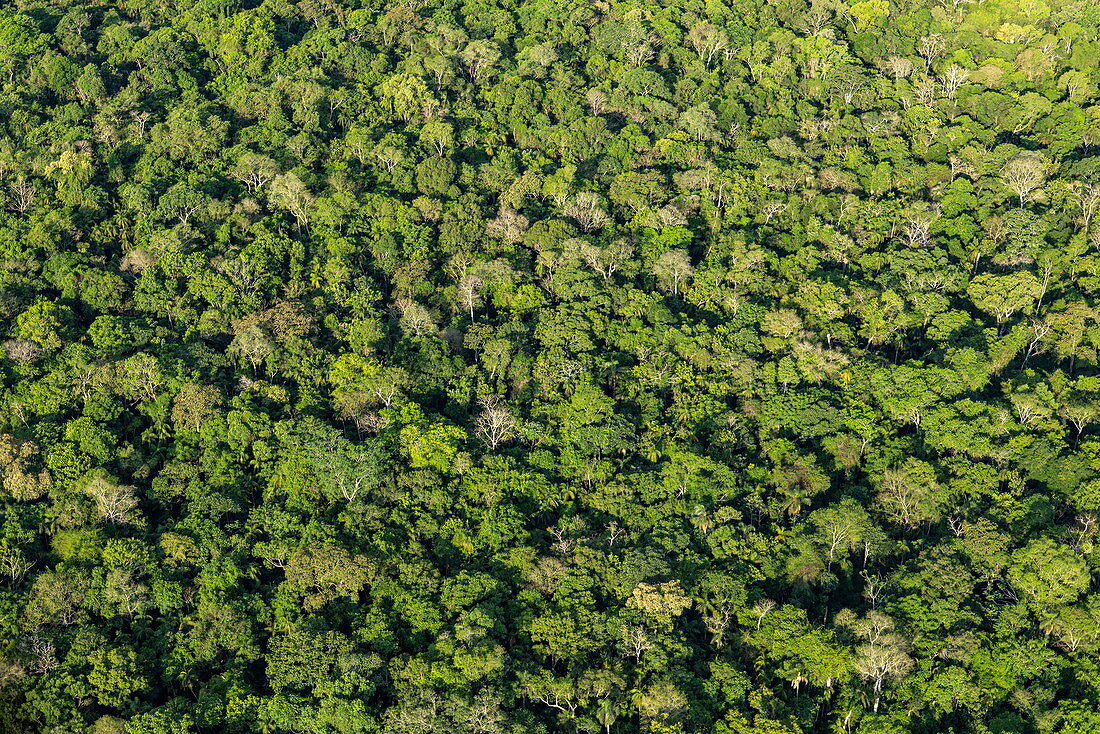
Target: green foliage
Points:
(533, 366)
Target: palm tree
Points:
(607, 713)
(701, 519)
(794, 497)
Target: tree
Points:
(673, 269)
(708, 40)
(139, 377)
(41, 324)
(182, 201)
(417, 320)
(55, 598)
(930, 47)
(797, 651)
(18, 476)
(660, 603)
(345, 469)
(700, 122)
(406, 96)
(20, 40)
(23, 193)
(255, 171)
(909, 494)
(289, 192)
(437, 136)
(884, 655)
(635, 642)
(606, 260)
(1048, 573)
(660, 700)
(1086, 197)
(1003, 295)
(1025, 173)
(253, 344)
(468, 290)
(193, 404)
(325, 572)
(587, 210)
(879, 663)
(361, 383)
(479, 57)
(115, 503)
(870, 13)
(842, 527)
(426, 443)
(115, 677)
(495, 423)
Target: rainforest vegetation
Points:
(549, 366)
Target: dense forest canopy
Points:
(539, 366)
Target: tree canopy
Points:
(504, 366)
